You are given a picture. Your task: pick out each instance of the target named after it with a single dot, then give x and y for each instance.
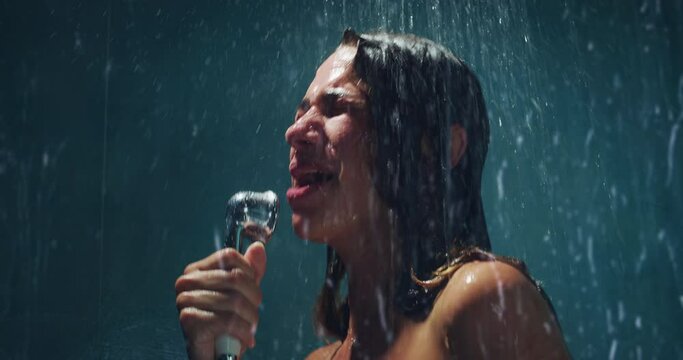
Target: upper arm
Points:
(491, 310)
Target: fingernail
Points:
(253, 329)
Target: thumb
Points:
(256, 257)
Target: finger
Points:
(219, 302)
(256, 257)
(221, 280)
(226, 259)
(203, 327)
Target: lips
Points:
(307, 180)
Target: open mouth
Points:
(314, 178)
(307, 179)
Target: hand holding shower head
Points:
(250, 215)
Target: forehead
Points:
(335, 71)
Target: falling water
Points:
(583, 179)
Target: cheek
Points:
(339, 130)
(356, 174)
(347, 144)
(345, 139)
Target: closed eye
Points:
(338, 101)
(303, 107)
(332, 102)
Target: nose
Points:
(305, 133)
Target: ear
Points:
(458, 143)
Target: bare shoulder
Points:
(490, 309)
(481, 280)
(324, 352)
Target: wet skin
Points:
(488, 310)
(329, 138)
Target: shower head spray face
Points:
(252, 215)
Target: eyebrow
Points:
(332, 95)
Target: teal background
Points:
(126, 125)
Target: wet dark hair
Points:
(417, 89)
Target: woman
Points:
(387, 149)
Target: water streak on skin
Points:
(501, 295)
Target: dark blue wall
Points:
(125, 125)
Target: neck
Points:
(373, 322)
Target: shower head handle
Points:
(252, 215)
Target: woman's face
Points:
(332, 195)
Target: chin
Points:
(307, 228)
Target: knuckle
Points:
(183, 283)
(179, 284)
(176, 285)
(188, 269)
(234, 276)
(228, 257)
(188, 317)
(183, 300)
